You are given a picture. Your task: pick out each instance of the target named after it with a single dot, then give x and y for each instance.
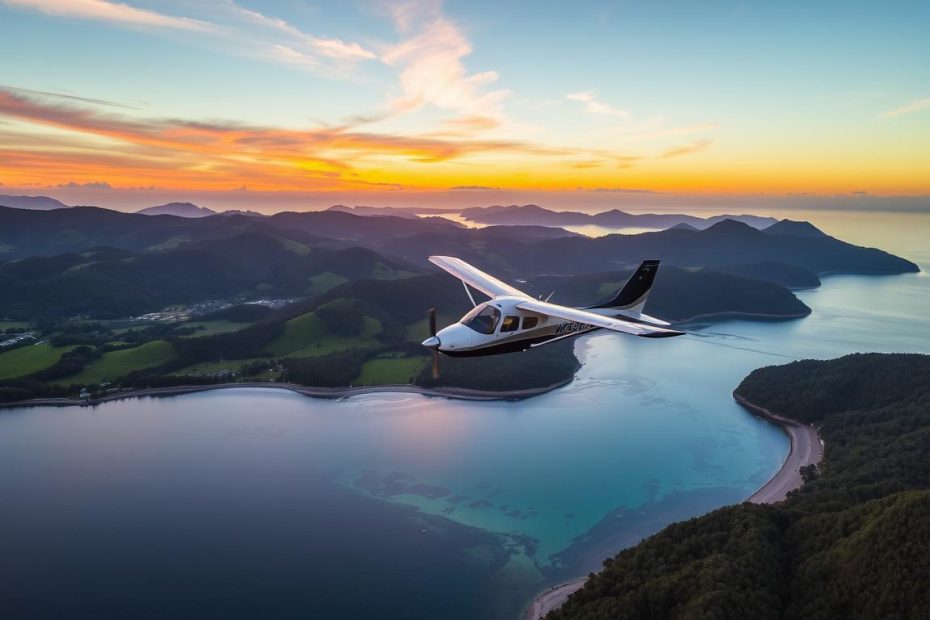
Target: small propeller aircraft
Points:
(514, 321)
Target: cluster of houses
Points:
(184, 313)
(14, 339)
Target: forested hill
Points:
(788, 253)
(854, 542)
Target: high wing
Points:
(598, 320)
(489, 285)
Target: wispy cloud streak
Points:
(593, 105)
(694, 147)
(913, 106)
(236, 29)
(111, 12)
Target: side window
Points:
(529, 322)
(510, 324)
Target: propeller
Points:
(432, 333)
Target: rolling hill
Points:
(112, 283)
(535, 215)
(180, 209)
(35, 203)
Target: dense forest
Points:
(854, 541)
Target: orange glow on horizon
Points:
(50, 143)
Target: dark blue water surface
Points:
(256, 503)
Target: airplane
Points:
(514, 321)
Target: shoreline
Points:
(736, 315)
(806, 448)
(313, 392)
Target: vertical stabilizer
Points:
(632, 297)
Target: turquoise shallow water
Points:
(248, 503)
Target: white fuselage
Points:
(499, 326)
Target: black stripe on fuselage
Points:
(514, 345)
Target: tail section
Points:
(632, 297)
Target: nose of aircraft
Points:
(432, 342)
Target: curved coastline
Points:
(313, 392)
(806, 448)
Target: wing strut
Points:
(468, 292)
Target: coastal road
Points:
(551, 599)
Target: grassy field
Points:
(29, 359)
(307, 336)
(204, 368)
(170, 243)
(389, 370)
(323, 282)
(383, 272)
(213, 327)
(115, 364)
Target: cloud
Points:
(473, 188)
(232, 28)
(206, 152)
(406, 13)
(299, 44)
(111, 12)
(45, 93)
(468, 124)
(694, 147)
(593, 105)
(91, 185)
(431, 70)
(913, 106)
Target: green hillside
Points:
(389, 370)
(308, 335)
(854, 542)
(29, 359)
(208, 328)
(116, 364)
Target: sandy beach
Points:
(806, 448)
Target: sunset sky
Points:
(390, 102)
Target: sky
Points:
(300, 104)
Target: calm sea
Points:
(261, 503)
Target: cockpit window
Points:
(483, 319)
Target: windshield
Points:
(483, 319)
